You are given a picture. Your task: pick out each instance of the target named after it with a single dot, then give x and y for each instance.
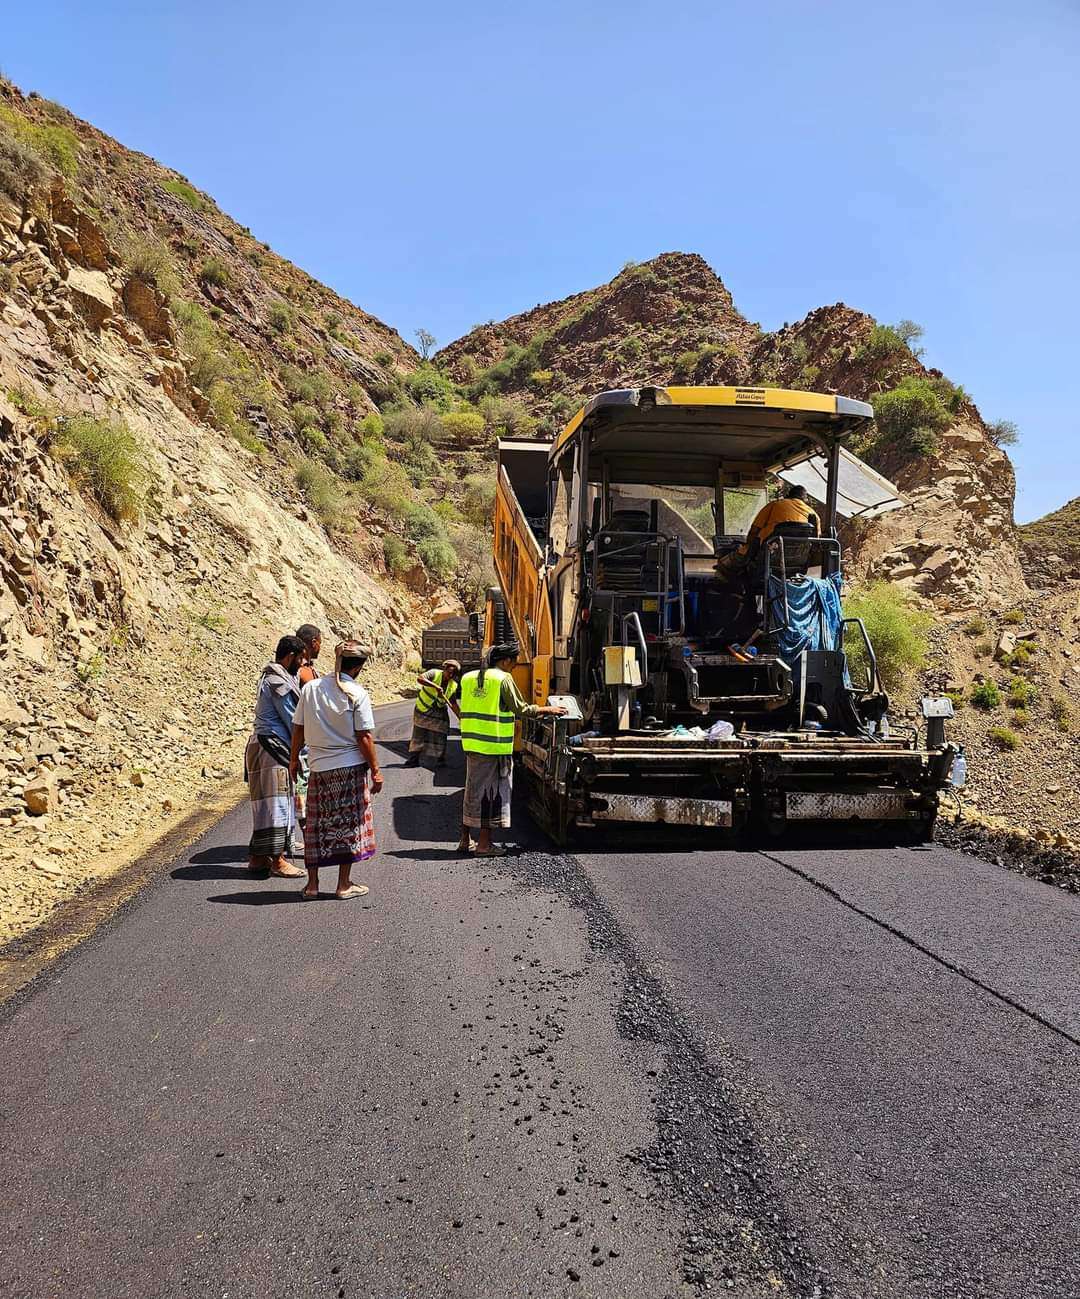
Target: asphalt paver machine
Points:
(707, 682)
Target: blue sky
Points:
(447, 164)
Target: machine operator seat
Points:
(625, 569)
(800, 553)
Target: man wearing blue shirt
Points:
(266, 762)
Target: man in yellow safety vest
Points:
(431, 716)
(489, 704)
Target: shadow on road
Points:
(427, 817)
(258, 898)
(430, 854)
(216, 863)
(222, 852)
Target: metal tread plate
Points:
(669, 810)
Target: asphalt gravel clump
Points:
(1051, 865)
(707, 1156)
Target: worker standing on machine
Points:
(490, 703)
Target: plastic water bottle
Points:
(959, 769)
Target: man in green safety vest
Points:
(431, 716)
(489, 703)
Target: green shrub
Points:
(321, 387)
(505, 417)
(1061, 712)
(214, 271)
(280, 318)
(39, 415)
(359, 460)
(1013, 616)
(1019, 658)
(896, 628)
(985, 696)
(304, 416)
(1004, 738)
(202, 343)
(1003, 433)
(184, 192)
(384, 358)
(297, 384)
(975, 627)
(422, 523)
(371, 427)
(420, 461)
(428, 386)
(541, 378)
(148, 259)
(1020, 718)
(396, 555)
(1022, 694)
(515, 363)
(984, 648)
(316, 443)
(21, 168)
(56, 146)
(913, 414)
(107, 461)
(956, 698)
(883, 343)
(479, 502)
(438, 557)
(323, 492)
(463, 425)
(248, 439)
(386, 486)
(59, 146)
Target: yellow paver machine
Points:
(709, 674)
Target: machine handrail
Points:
(635, 622)
(875, 680)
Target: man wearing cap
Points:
(490, 703)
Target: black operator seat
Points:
(621, 559)
(800, 552)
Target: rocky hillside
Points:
(1050, 546)
(672, 320)
(175, 403)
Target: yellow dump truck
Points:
(709, 675)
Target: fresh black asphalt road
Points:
(636, 1071)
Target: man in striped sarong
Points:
(266, 763)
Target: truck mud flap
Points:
(668, 810)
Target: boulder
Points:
(146, 306)
(1006, 644)
(91, 295)
(40, 794)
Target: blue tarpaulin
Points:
(813, 614)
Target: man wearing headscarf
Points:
(490, 703)
(334, 719)
(431, 716)
(266, 763)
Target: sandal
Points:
(353, 891)
(287, 871)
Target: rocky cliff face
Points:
(139, 599)
(1050, 546)
(672, 320)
